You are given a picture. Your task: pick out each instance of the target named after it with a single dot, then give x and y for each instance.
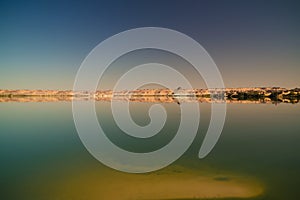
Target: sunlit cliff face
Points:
(229, 95)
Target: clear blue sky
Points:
(254, 43)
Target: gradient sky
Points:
(254, 43)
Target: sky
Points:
(253, 43)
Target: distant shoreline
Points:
(228, 95)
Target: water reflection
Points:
(257, 155)
(153, 99)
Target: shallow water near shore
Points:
(256, 157)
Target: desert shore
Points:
(228, 95)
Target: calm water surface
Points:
(257, 156)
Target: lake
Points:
(256, 157)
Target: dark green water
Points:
(42, 157)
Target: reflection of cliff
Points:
(231, 95)
(150, 99)
(39, 99)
